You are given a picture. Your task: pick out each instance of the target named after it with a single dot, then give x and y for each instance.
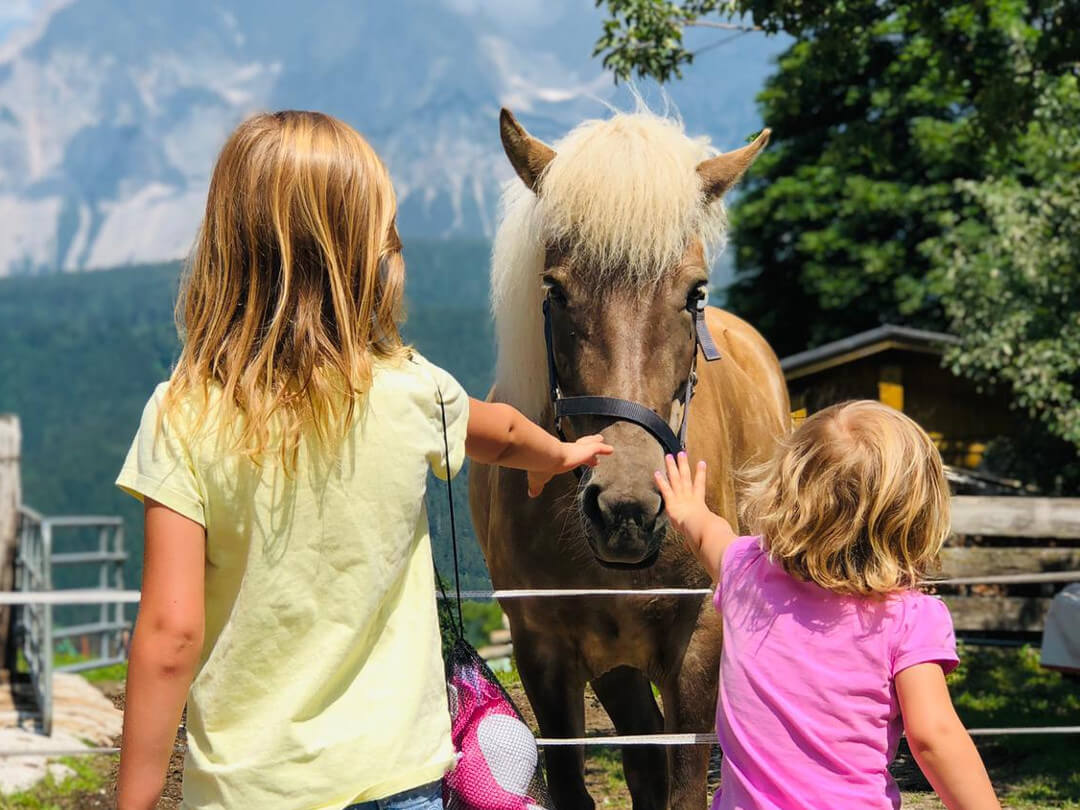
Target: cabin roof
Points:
(865, 344)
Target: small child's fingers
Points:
(591, 455)
(595, 444)
(699, 481)
(674, 477)
(684, 469)
(662, 485)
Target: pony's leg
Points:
(556, 691)
(689, 707)
(627, 697)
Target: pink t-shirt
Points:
(807, 714)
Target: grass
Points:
(114, 672)
(604, 775)
(90, 775)
(1003, 688)
(511, 677)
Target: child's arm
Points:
(500, 434)
(165, 651)
(941, 745)
(707, 534)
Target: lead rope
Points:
(453, 524)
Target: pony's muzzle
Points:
(623, 530)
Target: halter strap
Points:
(623, 409)
(701, 332)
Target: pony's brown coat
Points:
(620, 644)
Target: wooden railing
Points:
(1051, 527)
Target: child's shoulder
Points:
(914, 606)
(743, 549)
(922, 630)
(738, 561)
(416, 373)
(181, 412)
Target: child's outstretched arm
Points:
(165, 652)
(707, 534)
(500, 434)
(941, 745)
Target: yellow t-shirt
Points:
(321, 679)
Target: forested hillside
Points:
(80, 355)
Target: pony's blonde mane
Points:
(624, 198)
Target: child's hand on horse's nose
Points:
(683, 491)
(585, 452)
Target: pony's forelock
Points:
(623, 198)
(623, 195)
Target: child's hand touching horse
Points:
(707, 534)
(500, 434)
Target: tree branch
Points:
(722, 26)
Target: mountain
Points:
(112, 111)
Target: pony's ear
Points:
(720, 173)
(528, 156)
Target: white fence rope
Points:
(597, 741)
(710, 737)
(84, 596)
(72, 596)
(96, 596)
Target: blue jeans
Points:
(425, 797)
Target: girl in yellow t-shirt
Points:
(288, 594)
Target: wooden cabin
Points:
(902, 367)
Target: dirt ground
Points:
(106, 799)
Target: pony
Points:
(613, 228)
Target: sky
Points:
(15, 15)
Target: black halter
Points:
(624, 409)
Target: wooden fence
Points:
(10, 498)
(1049, 530)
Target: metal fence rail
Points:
(33, 622)
(109, 557)
(36, 633)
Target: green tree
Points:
(1009, 273)
(877, 110)
(923, 170)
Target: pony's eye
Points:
(554, 291)
(698, 294)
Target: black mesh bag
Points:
(498, 765)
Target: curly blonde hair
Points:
(854, 500)
(294, 286)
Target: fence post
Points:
(10, 500)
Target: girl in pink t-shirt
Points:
(830, 650)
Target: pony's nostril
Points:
(607, 510)
(590, 504)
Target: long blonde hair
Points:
(854, 500)
(294, 286)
